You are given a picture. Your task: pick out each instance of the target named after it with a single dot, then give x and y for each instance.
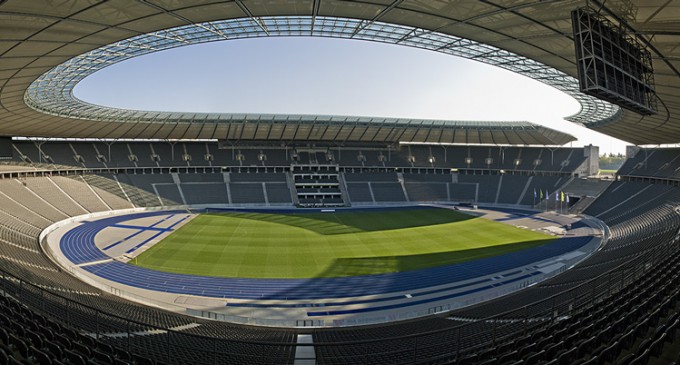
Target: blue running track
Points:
(78, 245)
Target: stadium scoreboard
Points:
(612, 64)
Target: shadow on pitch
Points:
(367, 266)
(389, 264)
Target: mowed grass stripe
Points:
(307, 245)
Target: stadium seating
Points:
(205, 193)
(526, 169)
(488, 186)
(108, 189)
(164, 154)
(653, 162)
(586, 187)
(86, 198)
(620, 305)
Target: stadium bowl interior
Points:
(63, 158)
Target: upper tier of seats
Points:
(271, 188)
(653, 162)
(164, 154)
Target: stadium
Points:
(155, 237)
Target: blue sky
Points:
(332, 76)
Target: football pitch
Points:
(343, 243)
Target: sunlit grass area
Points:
(343, 243)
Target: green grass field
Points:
(306, 245)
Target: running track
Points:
(78, 245)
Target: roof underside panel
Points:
(38, 36)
